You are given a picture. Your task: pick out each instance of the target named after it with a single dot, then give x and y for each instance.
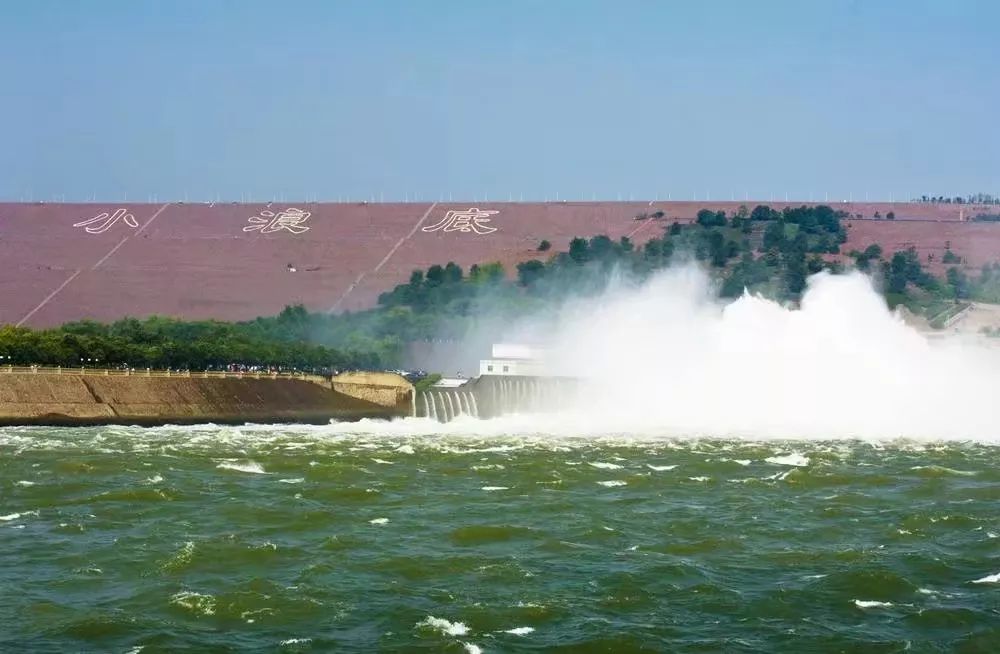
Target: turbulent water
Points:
(416, 537)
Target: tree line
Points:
(280, 342)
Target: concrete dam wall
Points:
(74, 399)
(491, 396)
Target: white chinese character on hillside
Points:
(469, 220)
(102, 222)
(290, 219)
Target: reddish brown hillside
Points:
(976, 243)
(62, 262)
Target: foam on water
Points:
(248, 466)
(871, 604)
(793, 459)
(446, 627)
(197, 603)
(520, 631)
(181, 558)
(933, 469)
(988, 579)
(15, 516)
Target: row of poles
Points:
(485, 197)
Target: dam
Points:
(515, 379)
(80, 396)
(491, 396)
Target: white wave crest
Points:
(520, 631)
(248, 466)
(443, 626)
(793, 459)
(198, 603)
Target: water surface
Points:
(397, 538)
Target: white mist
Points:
(667, 358)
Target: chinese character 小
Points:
(102, 222)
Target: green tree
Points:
(774, 235)
(435, 276)
(453, 273)
(709, 218)
(529, 272)
(959, 282)
(763, 212)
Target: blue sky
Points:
(498, 99)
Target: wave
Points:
(249, 466)
(445, 627)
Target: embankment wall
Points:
(381, 388)
(75, 399)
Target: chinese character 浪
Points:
(102, 222)
(470, 220)
(290, 219)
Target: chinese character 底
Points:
(469, 220)
(290, 219)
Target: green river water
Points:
(406, 538)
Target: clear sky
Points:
(528, 99)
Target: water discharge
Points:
(665, 357)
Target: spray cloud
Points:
(665, 357)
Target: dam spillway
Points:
(491, 396)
